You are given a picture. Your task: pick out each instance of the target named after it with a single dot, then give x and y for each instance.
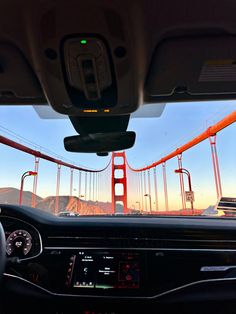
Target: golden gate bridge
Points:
(123, 175)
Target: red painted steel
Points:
(211, 131)
(181, 182)
(35, 183)
(71, 181)
(149, 192)
(79, 192)
(119, 198)
(216, 167)
(24, 175)
(56, 211)
(155, 187)
(85, 187)
(141, 188)
(38, 154)
(90, 186)
(144, 190)
(93, 187)
(138, 190)
(165, 186)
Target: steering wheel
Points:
(2, 251)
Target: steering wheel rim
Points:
(2, 251)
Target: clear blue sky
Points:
(155, 138)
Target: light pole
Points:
(150, 201)
(139, 205)
(185, 171)
(24, 175)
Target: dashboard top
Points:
(194, 228)
(40, 216)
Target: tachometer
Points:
(19, 243)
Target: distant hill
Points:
(10, 195)
(74, 204)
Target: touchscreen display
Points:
(107, 270)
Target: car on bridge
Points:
(227, 205)
(67, 213)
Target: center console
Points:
(91, 269)
(124, 272)
(108, 272)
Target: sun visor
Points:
(187, 68)
(17, 80)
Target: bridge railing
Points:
(144, 182)
(85, 185)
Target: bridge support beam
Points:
(181, 182)
(119, 198)
(71, 182)
(216, 167)
(57, 189)
(79, 192)
(35, 183)
(155, 188)
(141, 190)
(165, 186)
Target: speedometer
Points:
(19, 243)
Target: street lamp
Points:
(24, 175)
(139, 205)
(185, 171)
(150, 201)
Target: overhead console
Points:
(103, 60)
(90, 74)
(84, 56)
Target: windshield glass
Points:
(151, 178)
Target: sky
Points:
(155, 137)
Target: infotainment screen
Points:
(107, 270)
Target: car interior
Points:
(98, 62)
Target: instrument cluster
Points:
(22, 239)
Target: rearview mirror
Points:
(99, 142)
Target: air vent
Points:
(144, 243)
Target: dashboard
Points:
(118, 264)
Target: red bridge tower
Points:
(119, 180)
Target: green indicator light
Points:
(83, 41)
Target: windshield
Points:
(178, 166)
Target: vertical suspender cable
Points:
(141, 183)
(181, 181)
(145, 189)
(90, 185)
(35, 183)
(71, 182)
(79, 192)
(58, 189)
(85, 186)
(149, 192)
(155, 187)
(216, 167)
(165, 186)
